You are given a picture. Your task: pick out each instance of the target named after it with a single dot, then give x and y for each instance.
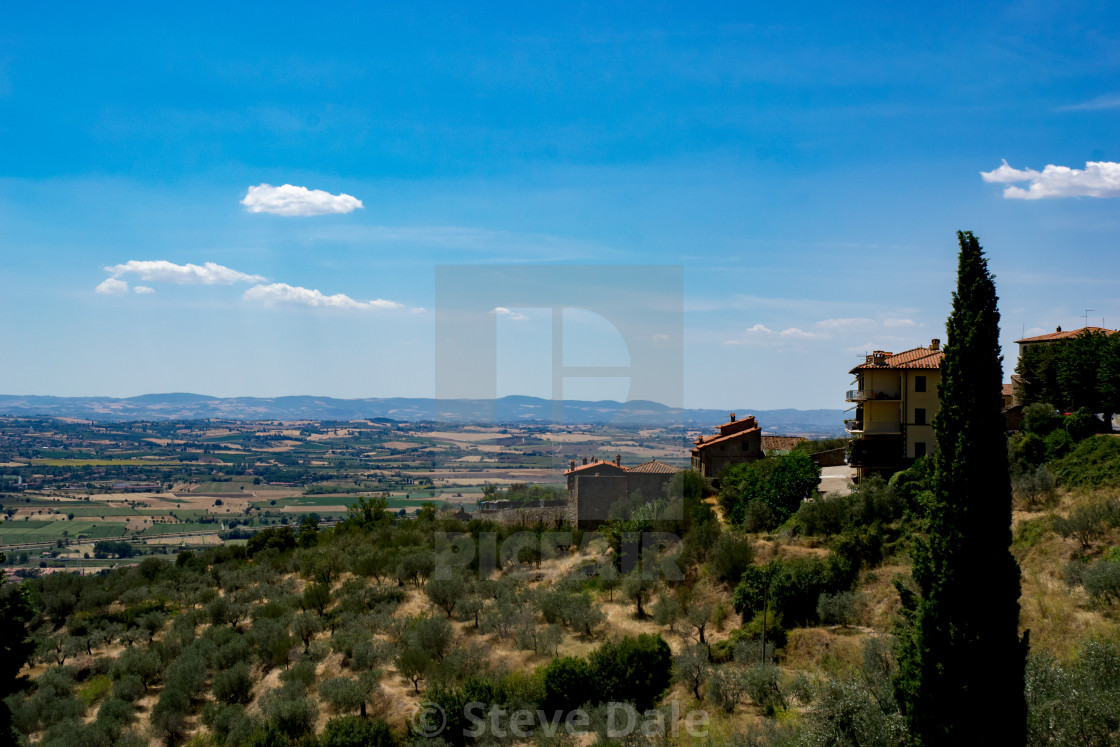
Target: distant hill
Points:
(516, 409)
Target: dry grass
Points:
(882, 600)
(832, 650)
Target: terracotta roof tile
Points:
(589, 465)
(780, 443)
(1066, 334)
(711, 440)
(654, 467)
(915, 358)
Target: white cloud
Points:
(793, 333)
(1097, 179)
(143, 289)
(760, 333)
(515, 316)
(112, 287)
(290, 200)
(162, 271)
(292, 295)
(899, 323)
(843, 323)
(1100, 102)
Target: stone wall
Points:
(592, 496)
(831, 458)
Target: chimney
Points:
(935, 344)
(618, 460)
(1059, 329)
(732, 417)
(572, 464)
(585, 460)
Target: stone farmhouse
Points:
(595, 486)
(736, 442)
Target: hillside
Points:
(383, 629)
(505, 410)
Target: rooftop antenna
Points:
(1087, 316)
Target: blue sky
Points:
(806, 165)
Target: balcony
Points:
(865, 395)
(853, 426)
(882, 428)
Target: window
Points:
(919, 449)
(919, 416)
(746, 446)
(919, 383)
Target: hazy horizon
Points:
(260, 204)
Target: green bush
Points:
(1074, 703)
(1058, 444)
(354, 731)
(635, 670)
(1095, 462)
(568, 683)
(1102, 581)
(1034, 487)
(1040, 419)
(233, 685)
(793, 587)
(731, 554)
(846, 712)
(726, 687)
(763, 684)
(94, 689)
(776, 484)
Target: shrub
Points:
(1095, 462)
(233, 685)
(730, 556)
(691, 668)
(354, 731)
(763, 685)
(1074, 703)
(756, 516)
(778, 484)
(794, 587)
(1086, 522)
(568, 683)
(129, 688)
(726, 687)
(1102, 581)
(1034, 487)
(846, 712)
(634, 670)
(1058, 444)
(432, 635)
(169, 716)
(293, 716)
(843, 608)
(94, 689)
(115, 714)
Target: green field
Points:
(110, 463)
(160, 529)
(21, 532)
(97, 509)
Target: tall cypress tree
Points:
(961, 666)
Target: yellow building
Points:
(895, 402)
